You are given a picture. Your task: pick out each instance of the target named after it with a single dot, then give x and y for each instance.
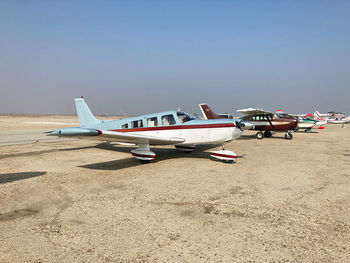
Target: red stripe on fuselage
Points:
(178, 127)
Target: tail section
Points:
(317, 114)
(85, 115)
(208, 113)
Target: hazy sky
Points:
(149, 56)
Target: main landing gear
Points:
(224, 155)
(268, 134)
(143, 153)
(288, 136)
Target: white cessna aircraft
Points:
(176, 128)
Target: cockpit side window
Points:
(136, 124)
(152, 122)
(125, 126)
(184, 117)
(168, 120)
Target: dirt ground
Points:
(82, 201)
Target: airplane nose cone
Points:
(247, 125)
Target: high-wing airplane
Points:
(263, 121)
(176, 128)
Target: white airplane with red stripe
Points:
(176, 128)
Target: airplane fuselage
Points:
(169, 125)
(269, 123)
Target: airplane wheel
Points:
(307, 130)
(288, 136)
(259, 135)
(145, 161)
(267, 134)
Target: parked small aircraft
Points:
(263, 121)
(305, 121)
(176, 128)
(333, 117)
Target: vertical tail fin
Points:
(208, 113)
(85, 115)
(317, 114)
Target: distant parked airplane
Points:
(333, 117)
(263, 121)
(176, 128)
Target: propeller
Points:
(240, 124)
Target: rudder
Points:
(85, 115)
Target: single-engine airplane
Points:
(333, 117)
(305, 121)
(176, 128)
(263, 121)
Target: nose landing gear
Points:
(259, 135)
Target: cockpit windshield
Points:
(185, 117)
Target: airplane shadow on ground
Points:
(162, 154)
(11, 177)
(253, 137)
(306, 132)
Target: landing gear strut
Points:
(288, 136)
(143, 153)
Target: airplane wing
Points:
(129, 137)
(113, 136)
(253, 111)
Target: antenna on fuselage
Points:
(124, 113)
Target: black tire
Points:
(288, 136)
(145, 161)
(267, 134)
(259, 135)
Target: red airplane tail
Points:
(207, 112)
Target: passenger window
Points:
(136, 124)
(168, 120)
(125, 126)
(152, 122)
